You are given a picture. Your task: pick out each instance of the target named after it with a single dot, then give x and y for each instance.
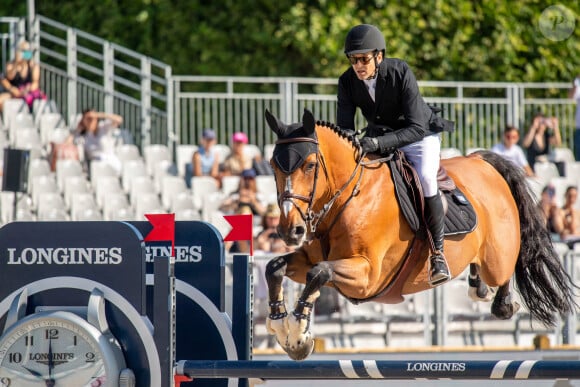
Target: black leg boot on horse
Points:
(438, 267)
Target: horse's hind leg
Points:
(478, 290)
(503, 307)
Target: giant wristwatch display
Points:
(59, 348)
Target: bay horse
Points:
(339, 207)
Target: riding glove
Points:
(369, 144)
(385, 144)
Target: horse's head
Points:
(301, 154)
(295, 164)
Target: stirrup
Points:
(438, 269)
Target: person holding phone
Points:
(542, 137)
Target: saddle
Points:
(460, 218)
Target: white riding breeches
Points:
(424, 156)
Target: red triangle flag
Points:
(242, 229)
(163, 229)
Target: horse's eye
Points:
(310, 166)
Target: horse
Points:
(339, 209)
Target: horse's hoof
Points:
(300, 351)
(504, 311)
(482, 293)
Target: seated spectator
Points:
(237, 161)
(542, 137)
(66, 150)
(206, 160)
(568, 221)
(246, 195)
(268, 240)
(94, 131)
(22, 78)
(550, 211)
(510, 149)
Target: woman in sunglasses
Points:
(386, 92)
(22, 78)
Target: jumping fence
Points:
(80, 70)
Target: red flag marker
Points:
(242, 229)
(163, 229)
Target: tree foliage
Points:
(491, 40)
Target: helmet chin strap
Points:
(375, 73)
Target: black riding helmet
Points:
(364, 38)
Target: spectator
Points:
(246, 195)
(568, 221)
(575, 95)
(268, 240)
(22, 78)
(543, 135)
(94, 131)
(66, 150)
(206, 160)
(238, 160)
(550, 211)
(510, 149)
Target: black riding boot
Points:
(439, 270)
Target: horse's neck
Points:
(339, 157)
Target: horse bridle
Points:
(311, 218)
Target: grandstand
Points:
(164, 120)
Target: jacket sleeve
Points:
(416, 122)
(346, 108)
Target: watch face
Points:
(52, 350)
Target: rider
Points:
(386, 91)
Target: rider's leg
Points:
(424, 156)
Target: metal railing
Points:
(481, 110)
(82, 71)
(12, 29)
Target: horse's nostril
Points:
(299, 230)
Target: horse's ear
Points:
(274, 124)
(308, 121)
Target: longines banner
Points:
(112, 252)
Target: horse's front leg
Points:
(277, 320)
(300, 343)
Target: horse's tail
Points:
(541, 280)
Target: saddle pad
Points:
(460, 217)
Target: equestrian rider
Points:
(386, 91)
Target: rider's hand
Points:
(369, 144)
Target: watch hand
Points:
(50, 381)
(33, 372)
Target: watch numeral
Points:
(15, 357)
(89, 357)
(29, 341)
(75, 340)
(5, 382)
(51, 333)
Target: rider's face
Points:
(364, 65)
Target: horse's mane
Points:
(337, 131)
